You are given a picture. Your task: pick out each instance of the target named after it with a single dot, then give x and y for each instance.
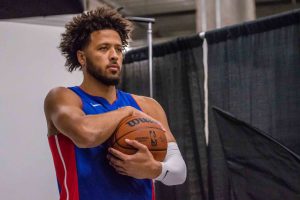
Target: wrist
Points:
(157, 169)
(127, 111)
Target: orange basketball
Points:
(143, 130)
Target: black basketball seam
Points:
(133, 147)
(124, 120)
(144, 127)
(137, 149)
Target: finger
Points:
(117, 154)
(162, 127)
(115, 162)
(122, 172)
(136, 144)
(117, 165)
(113, 159)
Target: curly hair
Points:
(78, 31)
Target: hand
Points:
(139, 165)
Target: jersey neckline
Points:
(99, 98)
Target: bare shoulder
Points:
(148, 104)
(57, 92)
(60, 95)
(56, 99)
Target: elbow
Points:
(175, 174)
(85, 137)
(84, 142)
(182, 178)
(179, 176)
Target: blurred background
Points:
(252, 62)
(174, 18)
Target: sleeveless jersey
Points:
(84, 173)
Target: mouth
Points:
(113, 67)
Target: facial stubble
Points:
(100, 75)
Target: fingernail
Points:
(126, 140)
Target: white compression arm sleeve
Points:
(173, 167)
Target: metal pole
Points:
(218, 14)
(149, 40)
(203, 15)
(150, 58)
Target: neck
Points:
(96, 88)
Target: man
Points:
(82, 118)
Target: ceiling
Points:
(174, 18)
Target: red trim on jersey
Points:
(67, 158)
(153, 190)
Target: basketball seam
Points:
(134, 149)
(125, 120)
(144, 127)
(149, 149)
(116, 140)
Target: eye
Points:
(103, 48)
(119, 50)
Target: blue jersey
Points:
(84, 173)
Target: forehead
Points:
(105, 36)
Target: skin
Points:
(64, 114)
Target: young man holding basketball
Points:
(81, 119)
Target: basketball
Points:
(143, 130)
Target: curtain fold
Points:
(253, 73)
(178, 75)
(259, 167)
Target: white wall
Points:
(30, 65)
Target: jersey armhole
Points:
(73, 89)
(140, 108)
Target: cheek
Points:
(120, 61)
(100, 59)
(121, 58)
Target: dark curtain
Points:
(33, 8)
(178, 75)
(259, 167)
(253, 72)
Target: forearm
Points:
(92, 130)
(102, 126)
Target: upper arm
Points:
(62, 109)
(155, 110)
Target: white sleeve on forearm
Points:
(173, 167)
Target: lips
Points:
(113, 67)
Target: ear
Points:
(81, 57)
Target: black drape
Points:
(178, 75)
(259, 167)
(253, 72)
(33, 8)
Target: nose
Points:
(113, 54)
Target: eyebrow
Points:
(106, 43)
